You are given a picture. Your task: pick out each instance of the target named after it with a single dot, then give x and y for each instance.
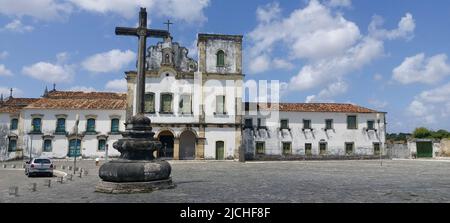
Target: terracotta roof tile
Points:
(80, 100)
(314, 107)
(14, 105)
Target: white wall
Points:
(60, 143)
(219, 134)
(363, 140)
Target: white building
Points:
(197, 112)
(46, 126)
(312, 130)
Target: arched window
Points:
(47, 145)
(60, 125)
(220, 58)
(149, 102)
(114, 125)
(101, 145)
(14, 123)
(166, 103)
(90, 125)
(36, 125)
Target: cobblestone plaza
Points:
(228, 181)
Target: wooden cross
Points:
(168, 23)
(142, 33)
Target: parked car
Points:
(39, 166)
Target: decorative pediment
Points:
(179, 57)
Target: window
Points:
(284, 124)
(322, 148)
(248, 123)
(114, 125)
(185, 104)
(149, 103)
(376, 148)
(328, 124)
(12, 146)
(308, 149)
(14, 123)
(101, 145)
(287, 148)
(36, 125)
(370, 125)
(306, 124)
(220, 104)
(260, 148)
(259, 123)
(90, 125)
(220, 58)
(166, 103)
(60, 125)
(351, 122)
(349, 148)
(47, 145)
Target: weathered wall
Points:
(445, 148)
(363, 140)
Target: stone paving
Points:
(228, 181)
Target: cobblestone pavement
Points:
(294, 181)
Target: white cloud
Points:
(4, 71)
(405, 28)
(17, 26)
(3, 54)
(327, 71)
(311, 33)
(268, 12)
(282, 64)
(329, 45)
(432, 105)
(419, 69)
(186, 10)
(340, 3)
(62, 57)
(6, 91)
(39, 9)
(328, 93)
(119, 85)
(82, 88)
(378, 103)
(48, 72)
(110, 61)
(378, 77)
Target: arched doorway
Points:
(166, 138)
(187, 145)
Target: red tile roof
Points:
(81, 100)
(314, 107)
(14, 105)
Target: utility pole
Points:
(77, 120)
(379, 138)
(106, 153)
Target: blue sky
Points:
(389, 55)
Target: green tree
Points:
(440, 134)
(421, 133)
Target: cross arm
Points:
(126, 31)
(157, 33)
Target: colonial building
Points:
(312, 130)
(48, 126)
(197, 112)
(195, 107)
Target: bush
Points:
(421, 133)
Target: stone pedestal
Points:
(136, 170)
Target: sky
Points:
(388, 55)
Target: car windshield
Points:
(41, 161)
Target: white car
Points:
(39, 166)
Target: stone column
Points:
(176, 148)
(200, 145)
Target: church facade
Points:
(197, 112)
